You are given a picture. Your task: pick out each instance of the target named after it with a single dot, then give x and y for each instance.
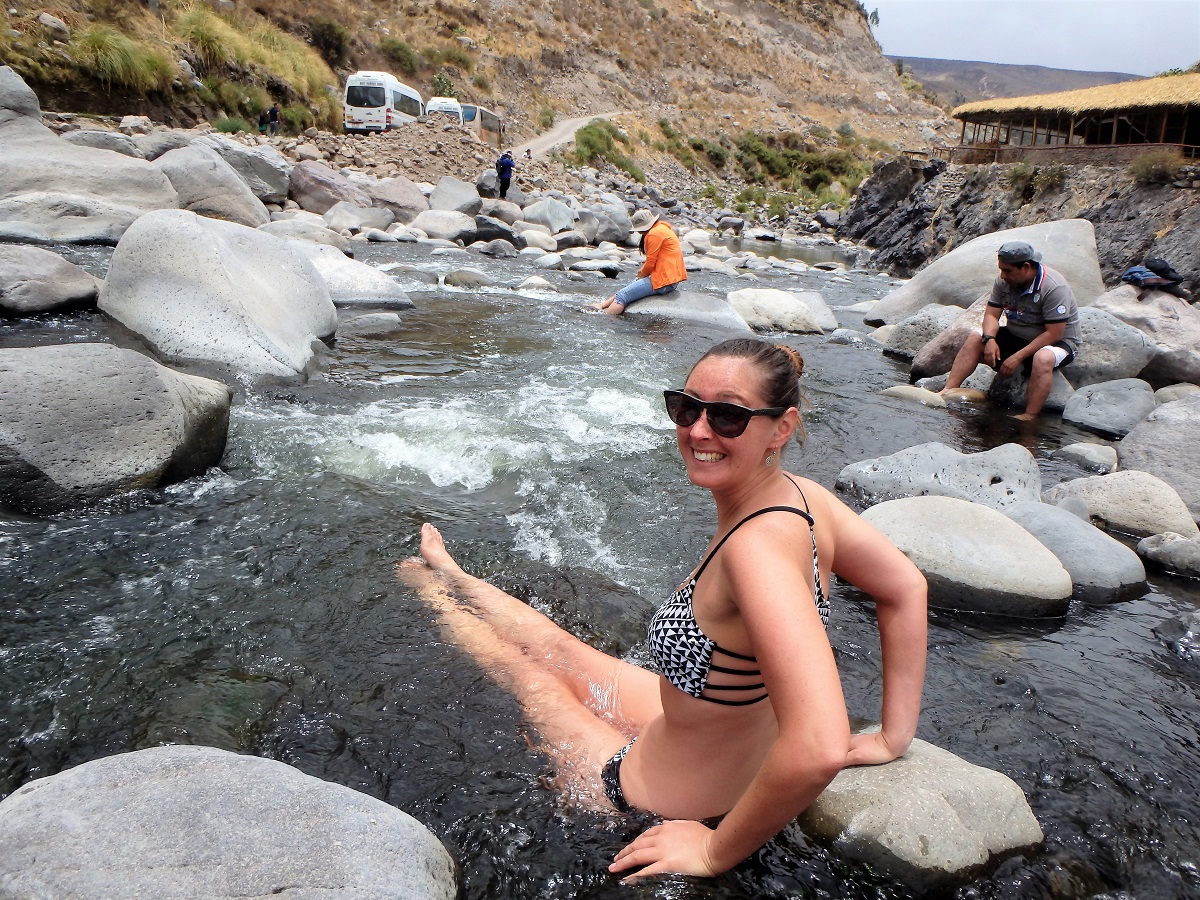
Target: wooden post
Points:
(962, 138)
(1071, 133)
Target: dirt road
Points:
(562, 133)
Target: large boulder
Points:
(997, 477)
(208, 186)
(936, 356)
(316, 187)
(910, 335)
(84, 421)
(446, 225)
(306, 227)
(179, 821)
(203, 289)
(55, 191)
(1102, 569)
(554, 214)
(506, 212)
(345, 216)
(400, 195)
(105, 140)
(33, 280)
(1111, 407)
(352, 283)
(768, 309)
(1172, 326)
(691, 306)
(974, 558)
(489, 229)
(156, 143)
(927, 819)
(457, 196)
(612, 218)
(964, 273)
(1109, 350)
(262, 168)
(1165, 444)
(1131, 502)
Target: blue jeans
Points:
(640, 290)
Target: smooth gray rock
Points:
(305, 229)
(588, 224)
(936, 357)
(691, 306)
(851, 338)
(1165, 444)
(607, 268)
(352, 283)
(371, 325)
(455, 195)
(1130, 501)
(566, 240)
(997, 477)
(345, 216)
(208, 186)
(156, 143)
(490, 229)
(612, 218)
(446, 225)
(506, 212)
(925, 819)
(33, 280)
(1172, 327)
(84, 421)
(1110, 407)
(1173, 392)
(769, 309)
(262, 168)
(203, 289)
(974, 558)
(399, 195)
(105, 140)
(551, 213)
(1172, 552)
(959, 277)
(184, 822)
(498, 249)
(1100, 458)
(1102, 569)
(316, 187)
(467, 279)
(1013, 392)
(1110, 350)
(911, 334)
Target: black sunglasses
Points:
(727, 419)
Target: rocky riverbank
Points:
(911, 214)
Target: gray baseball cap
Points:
(1017, 252)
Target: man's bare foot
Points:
(1026, 417)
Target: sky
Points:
(1136, 37)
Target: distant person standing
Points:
(273, 119)
(661, 273)
(504, 170)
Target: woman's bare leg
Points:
(623, 694)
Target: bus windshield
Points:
(365, 97)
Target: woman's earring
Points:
(771, 459)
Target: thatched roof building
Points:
(1112, 122)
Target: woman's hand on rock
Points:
(677, 847)
(872, 749)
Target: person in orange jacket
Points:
(661, 273)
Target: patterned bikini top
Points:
(684, 653)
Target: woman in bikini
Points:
(746, 720)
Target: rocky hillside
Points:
(713, 68)
(957, 81)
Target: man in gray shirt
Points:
(1041, 332)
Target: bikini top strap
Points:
(721, 543)
(802, 497)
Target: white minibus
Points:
(377, 101)
(447, 106)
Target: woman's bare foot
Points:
(604, 304)
(434, 552)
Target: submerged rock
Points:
(1132, 502)
(33, 280)
(176, 822)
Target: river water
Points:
(255, 608)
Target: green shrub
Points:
(546, 117)
(332, 40)
(846, 132)
(204, 30)
(116, 59)
(1018, 176)
(1157, 167)
(1049, 178)
(401, 55)
(482, 82)
(596, 144)
(668, 129)
(455, 55)
(443, 86)
(710, 192)
(820, 132)
(296, 118)
(232, 125)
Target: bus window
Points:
(364, 97)
(469, 112)
(410, 106)
(490, 121)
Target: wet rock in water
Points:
(539, 241)
(203, 289)
(1110, 349)
(916, 394)
(1102, 569)
(997, 477)
(316, 187)
(1172, 326)
(567, 240)
(549, 261)
(852, 338)
(974, 558)
(1100, 458)
(208, 186)
(928, 819)
(607, 268)
(445, 225)
(1172, 552)
(373, 325)
(912, 334)
(691, 306)
(85, 421)
(262, 168)
(498, 249)
(731, 223)
(33, 280)
(1164, 444)
(959, 277)
(536, 282)
(455, 195)
(467, 278)
(1111, 407)
(352, 283)
(105, 140)
(491, 229)
(182, 821)
(768, 309)
(1131, 502)
(306, 227)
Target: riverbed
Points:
(255, 608)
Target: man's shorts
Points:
(1008, 344)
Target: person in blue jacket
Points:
(504, 169)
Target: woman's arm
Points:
(866, 559)
(654, 244)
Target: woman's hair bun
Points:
(796, 359)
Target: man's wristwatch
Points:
(988, 337)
